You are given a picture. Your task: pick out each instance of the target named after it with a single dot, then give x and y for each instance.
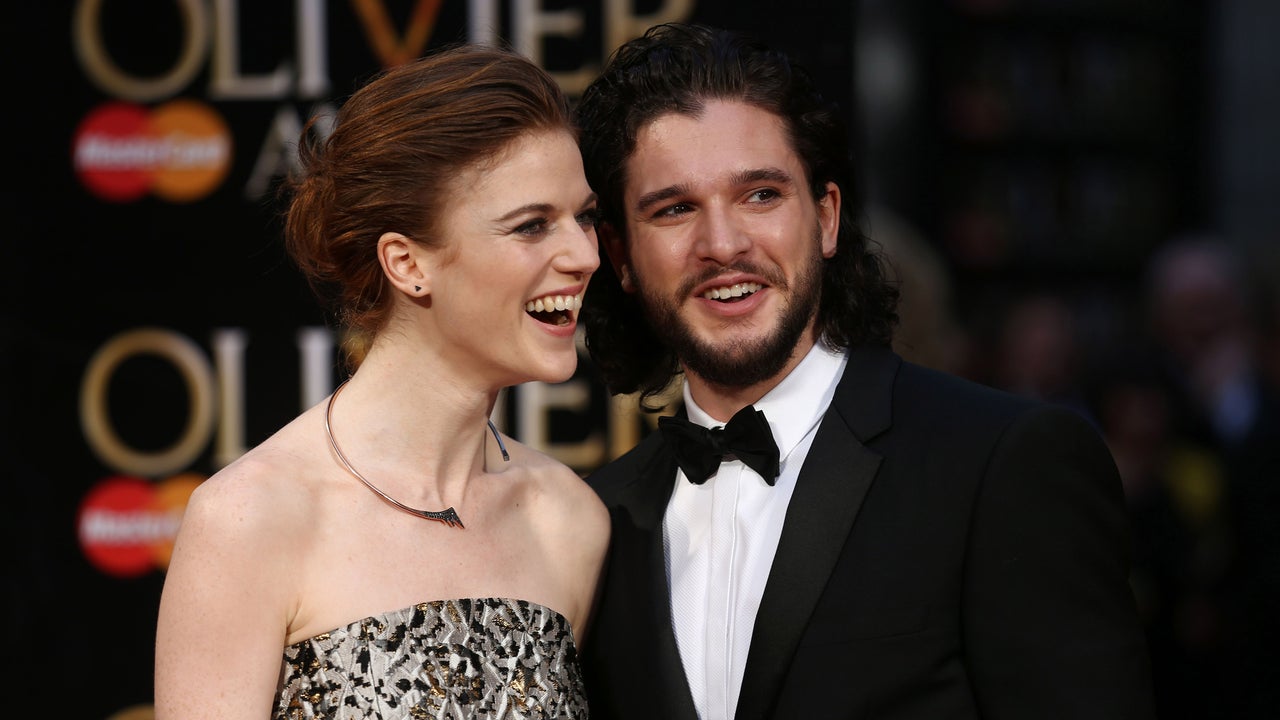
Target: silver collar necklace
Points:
(448, 516)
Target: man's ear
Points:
(616, 249)
(829, 219)
(405, 264)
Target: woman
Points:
(388, 554)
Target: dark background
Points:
(1023, 163)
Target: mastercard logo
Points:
(127, 525)
(179, 151)
(136, 712)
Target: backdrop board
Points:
(152, 327)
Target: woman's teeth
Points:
(554, 309)
(731, 291)
(552, 303)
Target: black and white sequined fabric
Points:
(481, 659)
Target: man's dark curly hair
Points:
(676, 68)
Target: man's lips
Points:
(728, 287)
(729, 293)
(730, 305)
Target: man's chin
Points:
(736, 335)
(737, 363)
(733, 351)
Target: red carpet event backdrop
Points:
(154, 329)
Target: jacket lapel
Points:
(832, 483)
(647, 497)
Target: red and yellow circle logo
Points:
(180, 151)
(136, 712)
(127, 524)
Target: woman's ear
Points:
(405, 264)
(615, 248)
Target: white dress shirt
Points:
(720, 537)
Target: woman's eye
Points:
(533, 227)
(589, 217)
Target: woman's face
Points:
(519, 247)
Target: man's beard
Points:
(737, 363)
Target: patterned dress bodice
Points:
(479, 659)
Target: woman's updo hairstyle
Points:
(396, 146)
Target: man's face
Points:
(725, 242)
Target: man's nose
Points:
(720, 236)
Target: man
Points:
(917, 546)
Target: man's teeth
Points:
(738, 290)
(552, 303)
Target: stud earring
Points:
(417, 288)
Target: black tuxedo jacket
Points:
(950, 552)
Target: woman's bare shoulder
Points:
(562, 497)
(263, 491)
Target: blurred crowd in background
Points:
(1184, 384)
(1078, 200)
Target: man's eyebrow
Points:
(742, 177)
(650, 199)
(767, 174)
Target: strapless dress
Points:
(472, 659)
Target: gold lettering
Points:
(390, 49)
(109, 77)
(187, 357)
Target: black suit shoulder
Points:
(885, 398)
(609, 479)
(932, 391)
(938, 402)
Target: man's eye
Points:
(673, 210)
(763, 195)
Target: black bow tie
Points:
(699, 450)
